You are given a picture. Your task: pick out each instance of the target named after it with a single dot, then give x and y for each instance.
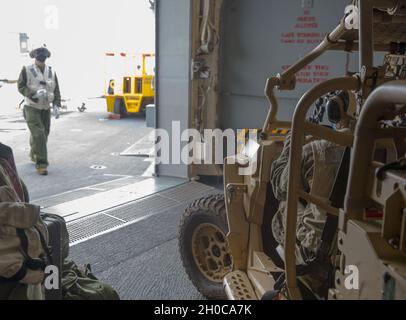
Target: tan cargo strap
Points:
(337, 201)
(33, 264)
(18, 276)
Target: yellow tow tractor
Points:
(136, 93)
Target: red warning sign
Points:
(306, 32)
(306, 21)
(312, 74)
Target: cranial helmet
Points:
(40, 52)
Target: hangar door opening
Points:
(102, 55)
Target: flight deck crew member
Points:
(38, 83)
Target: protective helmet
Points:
(41, 53)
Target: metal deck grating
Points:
(88, 227)
(148, 206)
(91, 226)
(187, 192)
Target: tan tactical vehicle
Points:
(226, 242)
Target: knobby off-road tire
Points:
(203, 245)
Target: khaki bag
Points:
(23, 241)
(23, 237)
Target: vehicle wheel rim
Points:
(211, 252)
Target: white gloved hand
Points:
(56, 112)
(41, 93)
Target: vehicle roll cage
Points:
(377, 21)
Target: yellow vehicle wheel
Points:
(203, 245)
(119, 107)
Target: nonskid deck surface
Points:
(134, 246)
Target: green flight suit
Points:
(38, 121)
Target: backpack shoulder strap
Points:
(33, 264)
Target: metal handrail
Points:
(383, 103)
